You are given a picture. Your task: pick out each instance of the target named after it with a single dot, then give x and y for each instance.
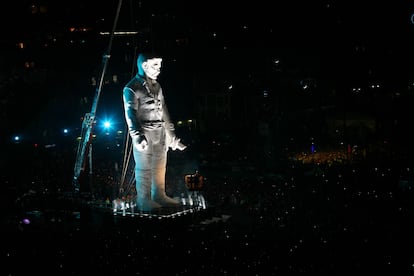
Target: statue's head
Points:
(149, 65)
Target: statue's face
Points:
(152, 67)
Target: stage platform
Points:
(160, 213)
(96, 217)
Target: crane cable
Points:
(124, 189)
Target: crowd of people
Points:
(300, 217)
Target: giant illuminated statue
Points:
(151, 132)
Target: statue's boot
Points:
(158, 190)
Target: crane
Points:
(84, 149)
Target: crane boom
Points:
(89, 118)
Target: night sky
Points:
(320, 36)
(277, 46)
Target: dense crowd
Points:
(301, 217)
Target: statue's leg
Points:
(159, 173)
(143, 178)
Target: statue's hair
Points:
(142, 57)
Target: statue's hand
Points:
(181, 146)
(176, 144)
(140, 142)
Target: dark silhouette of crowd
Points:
(331, 218)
